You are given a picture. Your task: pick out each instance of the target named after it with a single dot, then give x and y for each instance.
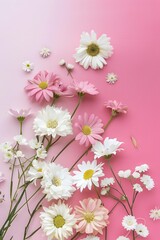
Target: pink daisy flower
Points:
(116, 107)
(91, 216)
(90, 128)
(20, 114)
(42, 86)
(83, 88)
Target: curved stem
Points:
(79, 101)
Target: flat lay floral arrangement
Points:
(35, 172)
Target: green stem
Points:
(79, 101)
(20, 127)
(108, 123)
(33, 232)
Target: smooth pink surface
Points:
(133, 25)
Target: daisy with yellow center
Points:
(58, 221)
(91, 216)
(92, 52)
(88, 174)
(89, 129)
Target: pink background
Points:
(133, 25)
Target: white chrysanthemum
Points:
(136, 175)
(92, 52)
(27, 66)
(88, 174)
(142, 230)
(21, 140)
(19, 154)
(111, 78)
(53, 121)
(142, 168)
(5, 147)
(124, 174)
(147, 181)
(41, 152)
(35, 144)
(155, 213)
(107, 182)
(57, 182)
(35, 171)
(45, 52)
(110, 146)
(57, 221)
(122, 238)
(91, 238)
(129, 222)
(137, 187)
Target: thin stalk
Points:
(79, 101)
(75, 236)
(33, 232)
(109, 121)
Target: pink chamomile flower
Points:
(42, 86)
(83, 87)
(91, 216)
(90, 128)
(115, 107)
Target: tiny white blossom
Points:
(122, 238)
(107, 182)
(41, 153)
(35, 144)
(129, 222)
(45, 52)
(91, 238)
(155, 213)
(142, 168)
(147, 181)
(124, 174)
(111, 78)
(137, 187)
(8, 155)
(62, 62)
(21, 140)
(142, 230)
(136, 174)
(19, 154)
(70, 66)
(105, 191)
(27, 66)
(6, 146)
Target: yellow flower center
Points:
(89, 217)
(39, 170)
(86, 130)
(28, 65)
(93, 49)
(56, 181)
(52, 123)
(130, 223)
(88, 174)
(58, 221)
(43, 85)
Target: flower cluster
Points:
(35, 161)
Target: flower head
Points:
(45, 52)
(107, 182)
(53, 121)
(90, 237)
(27, 66)
(129, 222)
(122, 238)
(147, 181)
(20, 114)
(155, 213)
(57, 221)
(42, 87)
(57, 182)
(92, 52)
(137, 187)
(88, 174)
(142, 168)
(35, 171)
(111, 78)
(91, 216)
(90, 128)
(124, 174)
(20, 140)
(83, 87)
(115, 107)
(142, 230)
(110, 146)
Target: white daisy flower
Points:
(57, 182)
(91, 238)
(41, 153)
(27, 66)
(142, 230)
(21, 140)
(19, 154)
(35, 144)
(147, 181)
(111, 78)
(136, 175)
(45, 52)
(35, 171)
(155, 213)
(124, 174)
(53, 121)
(92, 52)
(57, 221)
(107, 182)
(137, 187)
(142, 168)
(88, 174)
(129, 222)
(122, 238)
(110, 146)
(5, 147)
